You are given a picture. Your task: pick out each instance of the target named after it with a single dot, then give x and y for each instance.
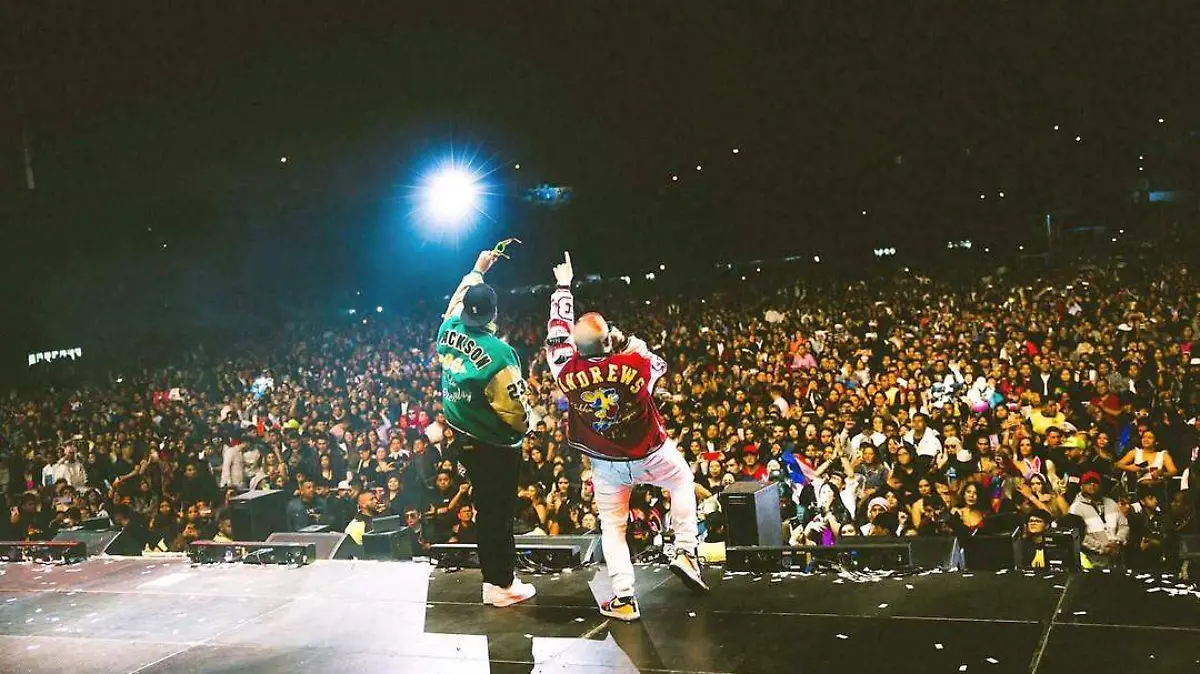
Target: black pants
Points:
(493, 474)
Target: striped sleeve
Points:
(506, 393)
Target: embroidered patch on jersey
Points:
(605, 406)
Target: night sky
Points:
(167, 126)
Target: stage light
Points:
(817, 259)
(283, 160)
(451, 195)
(987, 250)
(981, 197)
(662, 267)
(1020, 247)
(1141, 157)
(1001, 195)
(364, 321)
(358, 292)
(650, 276)
(1114, 239)
(743, 278)
(517, 167)
(674, 179)
(1141, 168)
(864, 212)
(735, 150)
(1056, 127)
(379, 310)
(353, 311)
(1078, 138)
(699, 167)
(1160, 120)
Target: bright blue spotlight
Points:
(451, 196)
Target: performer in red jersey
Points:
(609, 383)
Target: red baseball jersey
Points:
(611, 410)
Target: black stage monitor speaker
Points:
(96, 541)
(752, 514)
(97, 523)
(988, 552)
(590, 551)
(67, 552)
(1189, 546)
(329, 545)
(258, 514)
(388, 545)
(382, 525)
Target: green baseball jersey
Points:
(483, 392)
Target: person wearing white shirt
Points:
(924, 438)
(1107, 530)
(68, 468)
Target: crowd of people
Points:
(903, 405)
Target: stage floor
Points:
(120, 615)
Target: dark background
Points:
(152, 124)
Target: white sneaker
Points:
(494, 595)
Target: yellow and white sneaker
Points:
(621, 608)
(494, 595)
(687, 567)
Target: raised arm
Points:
(485, 261)
(560, 346)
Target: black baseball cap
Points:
(479, 306)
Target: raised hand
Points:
(485, 261)
(564, 273)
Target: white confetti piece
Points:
(962, 668)
(994, 661)
(579, 620)
(528, 636)
(883, 606)
(691, 614)
(1081, 613)
(938, 646)
(908, 587)
(842, 636)
(38, 611)
(1001, 572)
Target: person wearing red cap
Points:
(1106, 527)
(609, 383)
(752, 470)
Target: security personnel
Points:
(484, 399)
(368, 505)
